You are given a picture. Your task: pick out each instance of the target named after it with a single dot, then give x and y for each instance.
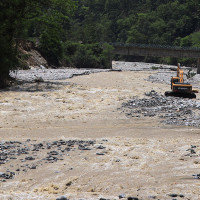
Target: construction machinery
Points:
(179, 88)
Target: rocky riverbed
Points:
(107, 135)
(169, 110)
(42, 74)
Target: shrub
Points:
(88, 55)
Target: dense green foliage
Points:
(171, 22)
(88, 55)
(70, 31)
(28, 18)
(138, 21)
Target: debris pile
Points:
(170, 110)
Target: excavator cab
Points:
(174, 80)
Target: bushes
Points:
(88, 55)
(75, 54)
(51, 47)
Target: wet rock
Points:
(38, 80)
(62, 198)
(23, 151)
(29, 158)
(82, 147)
(51, 159)
(37, 147)
(67, 149)
(100, 154)
(173, 195)
(33, 167)
(122, 196)
(196, 176)
(53, 153)
(3, 158)
(132, 198)
(49, 146)
(100, 147)
(13, 158)
(7, 175)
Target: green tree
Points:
(37, 18)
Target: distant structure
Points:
(157, 51)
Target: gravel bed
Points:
(170, 110)
(140, 66)
(165, 77)
(161, 77)
(51, 74)
(60, 74)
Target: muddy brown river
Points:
(129, 157)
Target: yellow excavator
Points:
(179, 88)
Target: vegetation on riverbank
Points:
(71, 32)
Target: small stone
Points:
(33, 167)
(100, 154)
(101, 147)
(172, 195)
(132, 198)
(29, 158)
(81, 147)
(196, 176)
(54, 153)
(121, 196)
(13, 158)
(62, 198)
(39, 79)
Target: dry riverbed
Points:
(89, 138)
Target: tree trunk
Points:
(4, 78)
(198, 66)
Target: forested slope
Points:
(140, 21)
(69, 32)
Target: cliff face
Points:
(30, 56)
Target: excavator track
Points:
(179, 94)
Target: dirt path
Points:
(138, 157)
